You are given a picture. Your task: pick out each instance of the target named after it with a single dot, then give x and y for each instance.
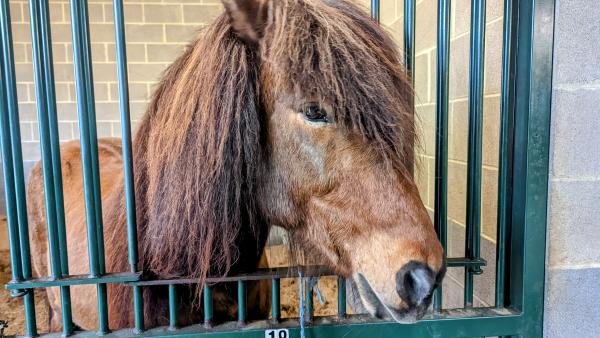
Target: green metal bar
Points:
(126, 132)
(173, 306)
(89, 151)
(341, 284)
(275, 305)
(410, 8)
(441, 141)
(128, 175)
(241, 302)
(43, 25)
(533, 96)
(375, 9)
(450, 323)
(506, 147)
(472, 243)
(7, 69)
(47, 282)
(89, 90)
(208, 306)
(49, 141)
(308, 284)
(138, 309)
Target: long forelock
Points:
(332, 50)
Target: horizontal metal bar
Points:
(260, 274)
(45, 282)
(446, 323)
(465, 262)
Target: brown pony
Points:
(288, 112)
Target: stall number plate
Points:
(280, 333)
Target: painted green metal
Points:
(375, 9)
(89, 151)
(440, 213)
(506, 148)
(275, 305)
(241, 291)
(523, 178)
(341, 284)
(208, 306)
(50, 149)
(173, 307)
(126, 133)
(473, 238)
(46, 282)
(308, 299)
(138, 309)
(410, 14)
(126, 146)
(13, 163)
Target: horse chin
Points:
(362, 298)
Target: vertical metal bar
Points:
(308, 283)
(173, 307)
(409, 37)
(472, 243)
(9, 79)
(441, 140)
(208, 306)
(126, 132)
(89, 150)
(375, 9)
(341, 284)
(275, 305)
(241, 302)
(138, 309)
(49, 142)
(89, 86)
(506, 149)
(128, 174)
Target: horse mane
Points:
(197, 149)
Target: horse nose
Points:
(415, 283)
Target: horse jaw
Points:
(362, 298)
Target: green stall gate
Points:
(522, 187)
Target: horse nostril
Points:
(414, 283)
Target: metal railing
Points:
(522, 185)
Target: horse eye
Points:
(315, 113)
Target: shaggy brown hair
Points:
(199, 144)
(333, 51)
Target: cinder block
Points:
(571, 303)
(573, 226)
(181, 33)
(576, 41)
(457, 191)
(148, 72)
(575, 137)
(426, 25)
(201, 14)
(422, 78)
(162, 13)
(144, 32)
(164, 53)
(426, 128)
(459, 68)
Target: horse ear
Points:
(248, 18)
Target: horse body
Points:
(289, 112)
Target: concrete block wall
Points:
(573, 260)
